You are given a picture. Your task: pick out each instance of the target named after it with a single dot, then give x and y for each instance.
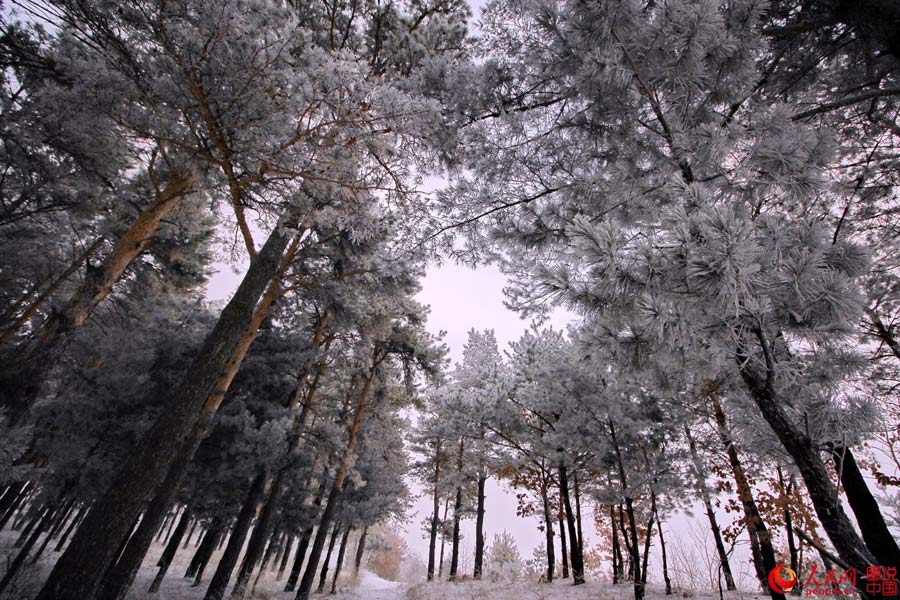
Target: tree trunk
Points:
(457, 509)
(26, 532)
(80, 569)
(443, 538)
(548, 530)
(562, 542)
(629, 571)
(634, 550)
(479, 529)
(868, 514)
(168, 554)
(805, 453)
(259, 536)
(711, 513)
(577, 490)
(219, 582)
(436, 501)
(665, 560)
(298, 558)
(35, 359)
(71, 527)
(205, 550)
(339, 478)
(616, 553)
(575, 551)
(760, 540)
(285, 556)
(172, 521)
(647, 539)
(360, 550)
(323, 574)
(340, 559)
(17, 563)
(12, 500)
(190, 533)
(54, 530)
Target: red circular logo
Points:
(782, 579)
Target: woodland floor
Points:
(367, 587)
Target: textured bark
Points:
(79, 571)
(548, 530)
(616, 552)
(804, 451)
(58, 523)
(171, 548)
(340, 476)
(17, 563)
(562, 542)
(258, 537)
(575, 553)
(457, 509)
(323, 574)
(360, 550)
(219, 582)
(302, 547)
(479, 529)
(700, 472)
(435, 516)
(868, 514)
(340, 559)
(760, 539)
(205, 550)
(285, 556)
(21, 386)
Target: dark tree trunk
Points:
(285, 556)
(577, 490)
(12, 500)
(54, 530)
(161, 530)
(564, 551)
(760, 540)
(868, 514)
(17, 563)
(205, 550)
(71, 527)
(665, 560)
(634, 550)
(436, 501)
(259, 536)
(629, 570)
(575, 553)
(443, 539)
(31, 524)
(646, 558)
(190, 533)
(172, 522)
(616, 553)
(700, 472)
(171, 548)
(298, 559)
(340, 559)
(548, 530)
(79, 571)
(360, 550)
(479, 529)
(805, 453)
(219, 582)
(315, 554)
(454, 551)
(323, 574)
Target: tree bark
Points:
(700, 472)
(323, 574)
(575, 551)
(79, 571)
(205, 550)
(219, 582)
(340, 559)
(548, 530)
(17, 563)
(871, 523)
(760, 540)
(35, 359)
(479, 529)
(562, 542)
(360, 550)
(616, 552)
(54, 530)
(285, 556)
(805, 453)
(436, 501)
(168, 554)
(60, 544)
(457, 509)
(302, 547)
(258, 537)
(190, 533)
(665, 560)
